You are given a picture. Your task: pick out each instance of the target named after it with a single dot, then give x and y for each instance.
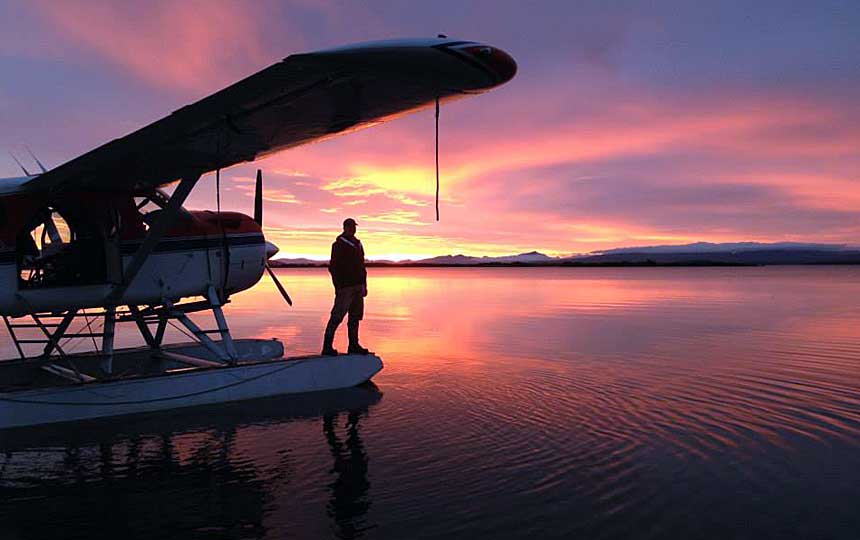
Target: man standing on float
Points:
(349, 276)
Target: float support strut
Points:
(14, 337)
(107, 340)
(201, 336)
(223, 329)
(144, 329)
(54, 339)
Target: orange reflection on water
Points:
(456, 306)
(700, 358)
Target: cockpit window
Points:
(51, 252)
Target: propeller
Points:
(280, 287)
(258, 199)
(271, 249)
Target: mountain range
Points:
(698, 253)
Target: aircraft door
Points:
(218, 261)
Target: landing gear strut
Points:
(55, 334)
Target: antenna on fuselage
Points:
(19, 164)
(39, 163)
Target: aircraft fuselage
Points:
(76, 262)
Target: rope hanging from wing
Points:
(225, 248)
(437, 159)
(218, 190)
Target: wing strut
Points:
(156, 232)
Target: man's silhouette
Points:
(350, 284)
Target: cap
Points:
(349, 221)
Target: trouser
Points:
(346, 300)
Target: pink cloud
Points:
(193, 45)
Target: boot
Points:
(328, 343)
(354, 346)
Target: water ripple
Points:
(608, 403)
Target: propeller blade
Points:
(258, 199)
(280, 287)
(271, 249)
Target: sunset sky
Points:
(629, 123)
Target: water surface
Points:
(515, 403)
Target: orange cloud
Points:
(271, 194)
(398, 216)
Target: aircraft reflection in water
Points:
(215, 473)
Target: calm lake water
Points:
(515, 403)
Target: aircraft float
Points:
(99, 240)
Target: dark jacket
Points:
(347, 263)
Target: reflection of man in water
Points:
(349, 503)
(350, 283)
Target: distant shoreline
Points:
(627, 264)
(644, 258)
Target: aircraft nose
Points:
(493, 61)
(502, 64)
(271, 250)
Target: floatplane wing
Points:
(304, 98)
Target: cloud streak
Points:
(190, 45)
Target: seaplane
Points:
(104, 239)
